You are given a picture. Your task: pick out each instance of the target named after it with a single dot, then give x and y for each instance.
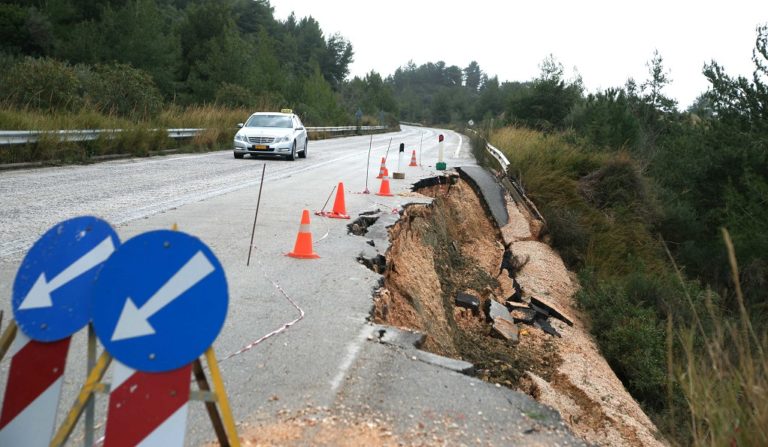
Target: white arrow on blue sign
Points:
(162, 301)
(52, 293)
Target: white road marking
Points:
(458, 149)
(353, 348)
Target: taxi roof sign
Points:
(286, 110)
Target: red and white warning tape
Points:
(277, 331)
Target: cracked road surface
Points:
(324, 359)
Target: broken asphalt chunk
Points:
(468, 301)
(512, 305)
(459, 366)
(517, 296)
(552, 310)
(540, 311)
(496, 310)
(524, 315)
(398, 337)
(505, 329)
(545, 326)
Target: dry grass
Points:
(726, 383)
(610, 236)
(136, 138)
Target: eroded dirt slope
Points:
(451, 246)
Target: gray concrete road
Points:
(213, 196)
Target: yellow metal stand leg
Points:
(8, 336)
(221, 395)
(86, 393)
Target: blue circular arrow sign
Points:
(162, 301)
(52, 293)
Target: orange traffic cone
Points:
(339, 209)
(413, 158)
(384, 188)
(383, 172)
(303, 247)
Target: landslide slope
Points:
(452, 245)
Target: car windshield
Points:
(269, 121)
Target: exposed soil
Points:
(442, 249)
(451, 246)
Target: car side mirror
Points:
(240, 125)
(299, 128)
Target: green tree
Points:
(549, 99)
(607, 121)
(473, 76)
(139, 34)
(319, 105)
(654, 86)
(24, 31)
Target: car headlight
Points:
(241, 137)
(283, 139)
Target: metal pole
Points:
(328, 200)
(258, 202)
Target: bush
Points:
(122, 90)
(628, 318)
(233, 95)
(599, 208)
(41, 84)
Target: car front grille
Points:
(261, 140)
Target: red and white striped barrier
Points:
(148, 409)
(32, 394)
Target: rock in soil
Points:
(468, 301)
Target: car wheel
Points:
(292, 156)
(303, 153)
(239, 155)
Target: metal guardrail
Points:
(495, 153)
(512, 185)
(15, 137)
(498, 155)
(344, 128)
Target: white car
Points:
(272, 133)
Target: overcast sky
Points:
(606, 41)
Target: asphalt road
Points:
(326, 357)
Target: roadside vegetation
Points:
(663, 215)
(141, 65)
